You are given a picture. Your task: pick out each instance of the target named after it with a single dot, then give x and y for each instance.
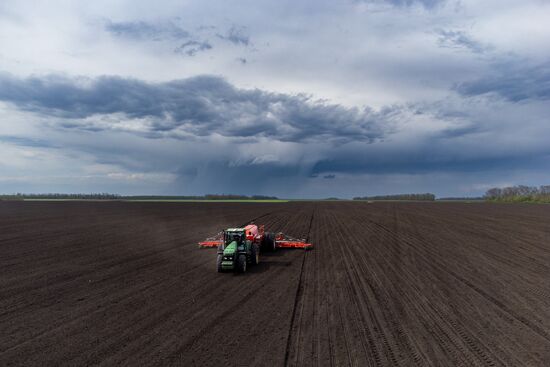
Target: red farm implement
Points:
(257, 234)
(284, 241)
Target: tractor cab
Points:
(237, 250)
(234, 234)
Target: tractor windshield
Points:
(234, 236)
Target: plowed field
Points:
(389, 284)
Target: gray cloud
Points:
(25, 142)
(198, 106)
(460, 40)
(236, 35)
(160, 31)
(425, 3)
(513, 81)
(190, 48)
(428, 4)
(167, 30)
(141, 30)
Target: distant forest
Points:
(204, 197)
(106, 196)
(519, 193)
(411, 197)
(461, 198)
(57, 196)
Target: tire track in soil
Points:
(446, 341)
(405, 307)
(544, 334)
(387, 271)
(449, 338)
(298, 292)
(358, 286)
(472, 342)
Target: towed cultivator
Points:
(238, 247)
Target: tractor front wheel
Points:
(241, 264)
(219, 263)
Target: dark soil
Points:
(108, 283)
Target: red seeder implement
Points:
(213, 241)
(257, 234)
(284, 241)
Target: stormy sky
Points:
(304, 99)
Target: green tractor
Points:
(240, 247)
(237, 251)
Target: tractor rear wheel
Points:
(241, 264)
(269, 242)
(219, 263)
(254, 254)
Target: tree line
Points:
(520, 193)
(201, 197)
(411, 197)
(59, 196)
(107, 196)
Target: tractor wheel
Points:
(254, 254)
(273, 242)
(269, 242)
(241, 264)
(219, 263)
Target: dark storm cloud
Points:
(512, 81)
(422, 162)
(146, 31)
(198, 106)
(79, 98)
(190, 48)
(459, 40)
(222, 176)
(236, 35)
